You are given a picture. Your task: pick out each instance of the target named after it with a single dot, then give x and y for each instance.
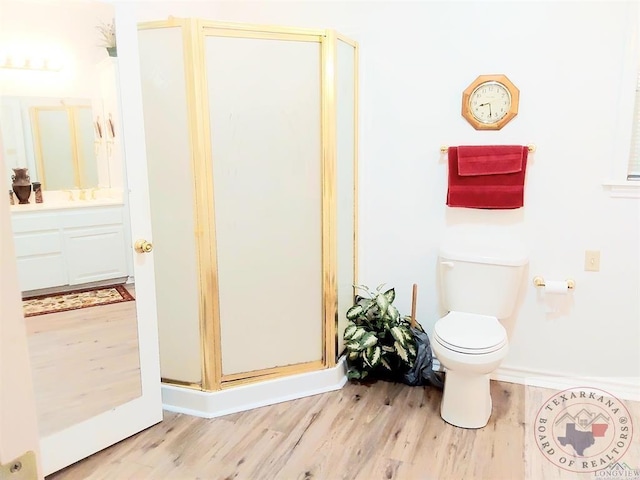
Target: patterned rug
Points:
(62, 302)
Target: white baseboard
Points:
(627, 388)
(247, 397)
(255, 395)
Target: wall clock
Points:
(490, 102)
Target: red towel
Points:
(488, 190)
(490, 159)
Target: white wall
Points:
(568, 60)
(64, 31)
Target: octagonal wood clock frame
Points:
(490, 102)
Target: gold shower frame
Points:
(194, 32)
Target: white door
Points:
(63, 443)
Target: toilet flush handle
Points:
(447, 264)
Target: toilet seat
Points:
(470, 333)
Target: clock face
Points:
(489, 102)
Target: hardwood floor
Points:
(83, 363)
(86, 361)
(381, 431)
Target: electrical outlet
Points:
(592, 261)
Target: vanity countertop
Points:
(39, 207)
(69, 200)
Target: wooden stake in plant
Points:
(414, 298)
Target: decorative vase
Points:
(37, 191)
(21, 185)
(113, 51)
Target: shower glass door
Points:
(265, 114)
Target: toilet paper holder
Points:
(539, 282)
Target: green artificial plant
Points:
(378, 340)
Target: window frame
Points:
(618, 183)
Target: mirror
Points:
(64, 147)
(59, 143)
(66, 143)
(62, 124)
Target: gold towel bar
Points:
(539, 282)
(445, 148)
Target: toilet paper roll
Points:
(556, 286)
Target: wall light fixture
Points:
(30, 63)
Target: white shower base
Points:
(255, 395)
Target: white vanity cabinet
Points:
(39, 250)
(69, 246)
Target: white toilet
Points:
(480, 274)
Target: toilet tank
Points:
(481, 271)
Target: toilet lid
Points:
(470, 333)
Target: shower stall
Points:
(251, 135)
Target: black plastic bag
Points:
(422, 372)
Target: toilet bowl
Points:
(470, 347)
(480, 275)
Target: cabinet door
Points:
(39, 251)
(40, 260)
(95, 254)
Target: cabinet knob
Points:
(142, 246)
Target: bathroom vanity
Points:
(69, 243)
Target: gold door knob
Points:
(142, 246)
